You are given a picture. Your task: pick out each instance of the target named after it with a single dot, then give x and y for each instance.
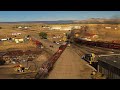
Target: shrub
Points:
(43, 35)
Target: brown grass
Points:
(12, 45)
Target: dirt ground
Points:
(8, 72)
(70, 66)
(6, 45)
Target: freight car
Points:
(48, 65)
(97, 43)
(37, 43)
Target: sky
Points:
(13, 16)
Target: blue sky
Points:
(11, 16)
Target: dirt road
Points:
(69, 65)
(4, 72)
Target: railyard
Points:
(34, 52)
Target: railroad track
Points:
(101, 50)
(97, 43)
(78, 50)
(47, 66)
(97, 50)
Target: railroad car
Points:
(47, 66)
(97, 44)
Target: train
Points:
(48, 65)
(97, 43)
(37, 43)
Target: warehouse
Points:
(109, 66)
(55, 27)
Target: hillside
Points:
(87, 21)
(104, 32)
(99, 21)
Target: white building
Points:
(55, 27)
(20, 27)
(108, 27)
(76, 27)
(4, 39)
(26, 27)
(16, 33)
(19, 40)
(47, 27)
(66, 28)
(61, 28)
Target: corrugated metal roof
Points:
(113, 60)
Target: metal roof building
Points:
(109, 66)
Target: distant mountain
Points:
(58, 22)
(45, 22)
(98, 21)
(87, 21)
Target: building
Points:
(109, 66)
(55, 27)
(19, 40)
(20, 27)
(46, 27)
(16, 33)
(66, 28)
(108, 27)
(4, 39)
(76, 27)
(90, 36)
(61, 28)
(26, 27)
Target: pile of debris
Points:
(18, 56)
(97, 75)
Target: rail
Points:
(97, 43)
(36, 42)
(47, 66)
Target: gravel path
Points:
(70, 66)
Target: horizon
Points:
(21, 16)
(59, 20)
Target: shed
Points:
(55, 27)
(26, 27)
(20, 27)
(4, 39)
(108, 27)
(66, 28)
(19, 40)
(76, 27)
(109, 66)
(16, 33)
